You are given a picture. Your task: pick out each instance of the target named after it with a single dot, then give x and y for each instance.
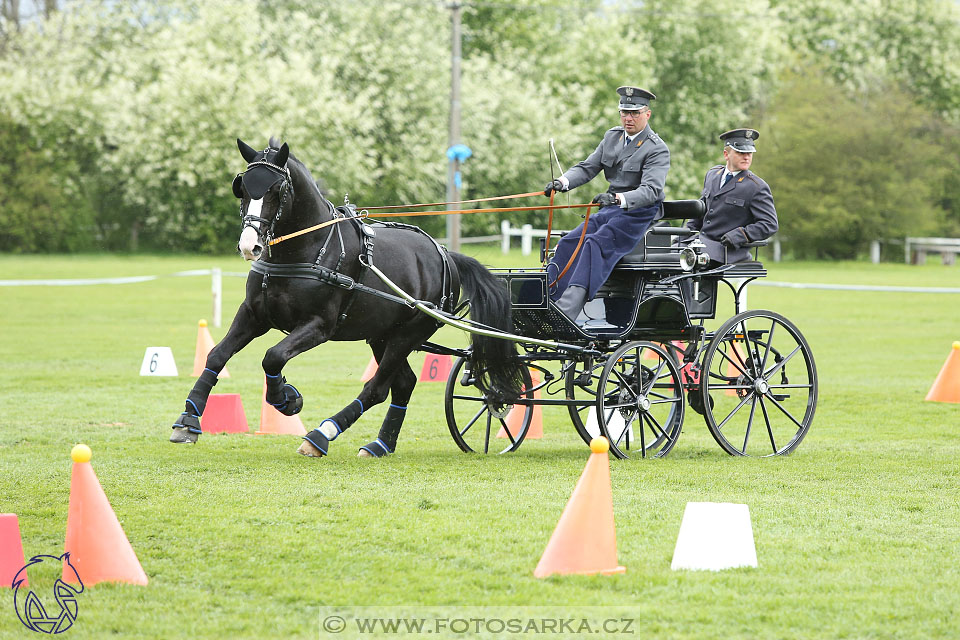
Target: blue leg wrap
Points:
(348, 415)
(390, 428)
(317, 439)
(189, 422)
(283, 396)
(378, 448)
(197, 400)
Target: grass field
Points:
(857, 533)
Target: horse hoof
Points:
(307, 449)
(363, 453)
(181, 434)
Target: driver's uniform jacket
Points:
(744, 206)
(637, 170)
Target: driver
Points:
(635, 161)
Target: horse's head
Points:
(264, 190)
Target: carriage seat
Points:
(656, 249)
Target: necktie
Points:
(726, 179)
(626, 141)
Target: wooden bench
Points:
(916, 249)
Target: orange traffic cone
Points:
(515, 417)
(733, 372)
(946, 388)
(224, 414)
(370, 370)
(11, 550)
(272, 421)
(98, 548)
(204, 345)
(585, 540)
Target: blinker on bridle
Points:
(258, 179)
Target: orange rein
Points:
(394, 214)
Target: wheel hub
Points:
(499, 410)
(643, 403)
(761, 386)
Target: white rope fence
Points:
(216, 285)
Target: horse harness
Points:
(333, 277)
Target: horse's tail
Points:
(496, 363)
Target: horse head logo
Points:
(30, 609)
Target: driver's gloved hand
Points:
(555, 185)
(606, 199)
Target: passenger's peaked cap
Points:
(740, 140)
(634, 98)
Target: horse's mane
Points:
(275, 143)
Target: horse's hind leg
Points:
(316, 443)
(242, 331)
(404, 380)
(401, 382)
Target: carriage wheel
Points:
(758, 371)
(475, 421)
(640, 401)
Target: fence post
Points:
(216, 287)
(505, 236)
(776, 249)
(526, 239)
(875, 251)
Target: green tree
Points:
(850, 167)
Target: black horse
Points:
(318, 286)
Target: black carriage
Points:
(753, 379)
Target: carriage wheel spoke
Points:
(624, 384)
(469, 398)
(655, 425)
(746, 435)
(766, 352)
(673, 400)
(782, 409)
(506, 430)
(781, 364)
(626, 424)
(724, 355)
(734, 412)
(475, 417)
(763, 407)
(643, 439)
(656, 376)
(486, 439)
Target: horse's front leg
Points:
(282, 395)
(243, 329)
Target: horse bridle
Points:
(259, 223)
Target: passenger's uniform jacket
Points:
(744, 205)
(638, 170)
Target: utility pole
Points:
(453, 165)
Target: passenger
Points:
(635, 162)
(739, 205)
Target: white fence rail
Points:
(526, 233)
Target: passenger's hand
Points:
(731, 239)
(606, 199)
(555, 185)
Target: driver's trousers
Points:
(611, 234)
